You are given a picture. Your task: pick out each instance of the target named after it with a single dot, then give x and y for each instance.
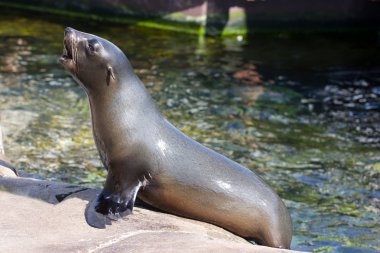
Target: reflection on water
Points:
(268, 104)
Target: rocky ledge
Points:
(45, 216)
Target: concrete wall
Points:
(215, 14)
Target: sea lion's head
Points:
(92, 61)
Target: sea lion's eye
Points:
(93, 45)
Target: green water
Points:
(328, 179)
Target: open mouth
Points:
(67, 51)
(69, 58)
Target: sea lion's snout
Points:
(68, 30)
(77, 46)
(68, 58)
(68, 41)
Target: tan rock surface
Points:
(33, 220)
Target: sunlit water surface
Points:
(285, 105)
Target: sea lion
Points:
(146, 154)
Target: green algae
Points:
(188, 27)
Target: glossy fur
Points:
(146, 154)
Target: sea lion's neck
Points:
(127, 95)
(121, 114)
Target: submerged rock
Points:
(353, 105)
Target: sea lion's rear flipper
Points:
(108, 207)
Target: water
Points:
(287, 105)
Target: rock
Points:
(248, 75)
(44, 216)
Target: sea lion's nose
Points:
(69, 30)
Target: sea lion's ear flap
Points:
(110, 75)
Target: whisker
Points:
(76, 61)
(74, 51)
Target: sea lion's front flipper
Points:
(95, 219)
(108, 207)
